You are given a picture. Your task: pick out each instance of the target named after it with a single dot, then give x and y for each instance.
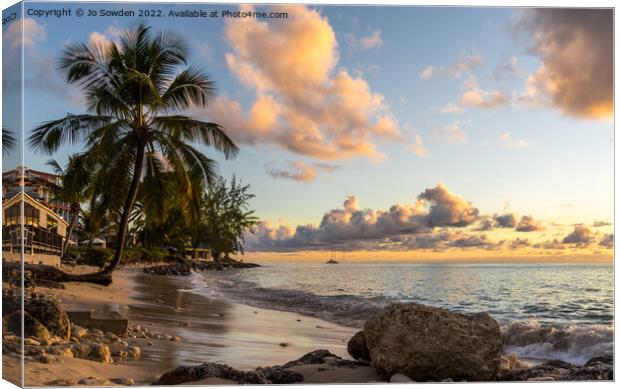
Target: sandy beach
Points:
(211, 330)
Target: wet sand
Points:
(211, 330)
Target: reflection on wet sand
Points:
(218, 331)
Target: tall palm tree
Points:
(136, 91)
(73, 189)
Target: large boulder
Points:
(357, 347)
(426, 343)
(32, 327)
(45, 309)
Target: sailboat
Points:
(332, 260)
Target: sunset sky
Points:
(389, 132)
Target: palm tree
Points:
(73, 189)
(136, 91)
(8, 140)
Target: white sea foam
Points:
(573, 343)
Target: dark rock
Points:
(32, 327)
(41, 307)
(427, 343)
(316, 357)
(357, 347)
(206, 370)
(185, 268)
(598, 368)
(319, 357)
(280, 375)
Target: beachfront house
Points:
(43, 231)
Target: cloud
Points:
(435, 208)
(452, 108)
(507, 70)
(417, 147)
(607, 241)
(40, 74)
(301, 100)
(450, 134)
(511, 143)
(464, 65)
(600, 223)
(366, 42)
(477, 97)
(447, 209)
(300, 171)
(581, 236)
(575, 47)
(529, 224)
(33, 33)
(507, 220)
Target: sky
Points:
(392, 132)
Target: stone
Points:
(78, 332)
(44, 358)
(134, 352)
(427, 343)
(61, 382)
(176, 338)
(93, 381)
(32, 327)
(31, 342)
(184, 374)
(124, 381)
(45, 309)
(279, 375)
(100, 352)
(396, 378)
(357, 347)
(596, 369)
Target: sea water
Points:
(546, 311)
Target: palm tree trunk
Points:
(129, 203)
(65, 245)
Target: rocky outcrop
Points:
(599, 368)
(279, 375)
(426, 343)
(185, 268)
(318, 357)
(39, 306)
(184, 374)
(357, 347)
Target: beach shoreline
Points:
(210, 330)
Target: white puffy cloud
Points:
(475, 96)
(301, 100)
(511, 143)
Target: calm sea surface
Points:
(575, 300)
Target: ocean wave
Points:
(527, 339)
(573, 343)
(346, 310)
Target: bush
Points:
(143, 255)
(92, 256)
